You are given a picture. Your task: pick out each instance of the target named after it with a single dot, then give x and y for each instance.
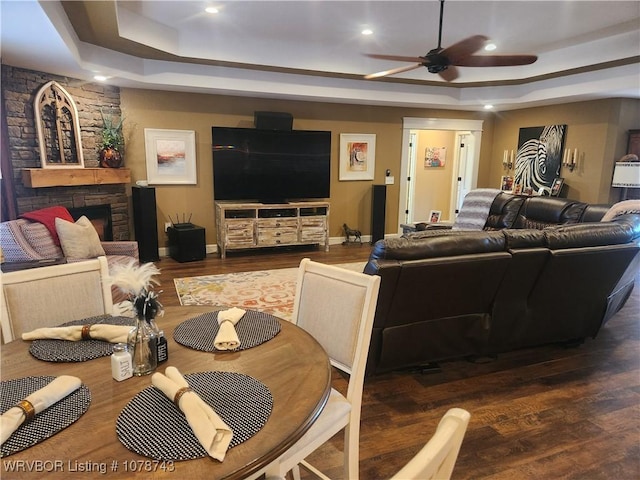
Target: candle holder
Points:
(507, 160)
(570, 159)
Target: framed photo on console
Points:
(556, 187)
(506, 183)
(357, 156)
(434, 216)
(171, 156)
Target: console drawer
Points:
(277, 236)
(239, 233)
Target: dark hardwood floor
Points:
(543, 413)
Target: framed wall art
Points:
(357, 156)
(171, 156)
(539, 155)
(435, 156)
(58, 128)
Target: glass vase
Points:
(142, 344)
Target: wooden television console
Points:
(259, 225)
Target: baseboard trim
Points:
(366, 239)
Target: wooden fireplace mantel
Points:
(69, 177)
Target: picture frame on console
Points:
(434, 216)
(556, 187)
(170, 156)
(357, 156)
(506, 183)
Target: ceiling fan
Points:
(444, 61)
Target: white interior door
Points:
(472, 129)
(410, 175)
(462, 183)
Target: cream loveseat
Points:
(28, 242)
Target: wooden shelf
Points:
(69, 177)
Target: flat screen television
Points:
(270, 166)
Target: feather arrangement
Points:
(136, 281)
(132, 278)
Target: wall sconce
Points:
(507, 160)
(570, 159)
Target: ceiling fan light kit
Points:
(444, 61)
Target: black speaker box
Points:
(145, 222)
(186, 242)
(378, 212)
(273, 121)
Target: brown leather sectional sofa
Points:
(543, 270)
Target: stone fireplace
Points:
(19, 87)
(100, 217)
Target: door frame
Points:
(474, 127)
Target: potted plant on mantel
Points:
(112, 144)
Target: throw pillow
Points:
(40, 239)
(47, 217)
(622, 208)
(80, 239)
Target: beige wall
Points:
(433, 184)
(350, 201)
(598, 129)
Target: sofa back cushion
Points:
(524, 238)
(594, 213)
(589, 235)
(444, 244)
(541, 212)
(504, 211)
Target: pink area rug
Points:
(271, 291)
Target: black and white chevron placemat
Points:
(81, 351)
(48, 422)
(151, 425)
(253, 329)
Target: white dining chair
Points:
(435, 461)
(336, 306)
(49, 296)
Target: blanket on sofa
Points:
(475, 209)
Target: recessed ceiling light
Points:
(367, 31)
(100, 78)
(488, 107)
(490, 46)
(211, 10)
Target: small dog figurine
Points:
(350, 232)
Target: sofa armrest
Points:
(127, 248)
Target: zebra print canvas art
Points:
(539, 156)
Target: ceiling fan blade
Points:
(495, 60)
(463, 48)
(449, 74)
(393, 71)
(395, 58)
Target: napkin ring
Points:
(179, 394)
(27, 407)
(86, 332)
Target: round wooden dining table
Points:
(292, 365)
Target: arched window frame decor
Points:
(58, 128)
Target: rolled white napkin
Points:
(210, 430)
(99, 331)
(227, 337)
(40, 400)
